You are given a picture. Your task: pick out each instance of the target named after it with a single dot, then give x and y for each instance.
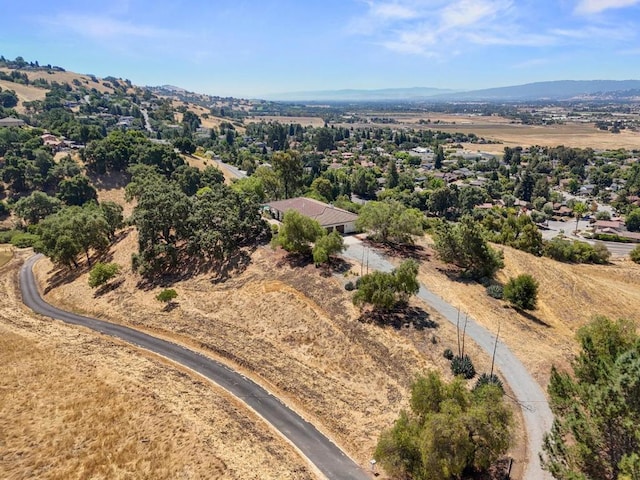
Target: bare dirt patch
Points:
(292, 329)
(77, 404)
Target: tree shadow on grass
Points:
(530, 316)
(190, 266)
(295, 260)
(107, 287)
(399, 318)
(170, 306)
(234, 265)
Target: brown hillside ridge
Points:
(569, 296)
(76, 404)
(291, 329)
(25, 93)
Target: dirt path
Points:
(535, 408)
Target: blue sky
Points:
(251, 48)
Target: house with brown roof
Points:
(328, 216)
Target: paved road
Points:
(535, 408)
(147, 123)
(235, 171)
(324, 454)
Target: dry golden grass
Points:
(65, 77)
(210, 122)
(25, 93)
(75, 404)
(6, 254)
(291, 329)
(511, 135)
(569, 296)
(202, 163)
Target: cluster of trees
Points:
(120, 149)
(515, 231)
(177, 227)
(449, 431)
(73, 231)
(597, 406)
(521, 232)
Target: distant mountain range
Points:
(554, 90)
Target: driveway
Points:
(535, 408)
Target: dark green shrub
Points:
(489, 379)
(634, 255)
(448, 354)
(101, 273)
(463, 366)
(24, 240)
(349, 286)
(495, 291)
(167, 295)
(522, 291)
(575, 251)
(7, 235)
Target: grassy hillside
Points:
(75, 404)
(569, 296)
(290, 328)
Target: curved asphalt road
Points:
(317, 448)
(535, 408)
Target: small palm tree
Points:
(579, 209)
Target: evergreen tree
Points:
(597, 409)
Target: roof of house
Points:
(10, 121)
(615, 224)
(326, 215)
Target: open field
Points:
(75, 404)
(570, 135)
(292, 330)
(569, 296)
(511, 134)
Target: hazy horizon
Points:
(261, 48)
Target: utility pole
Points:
(495, 346)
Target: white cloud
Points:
(392, 11)
(596, 6)
(469, 12)
(104, 28)
(440, 28)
